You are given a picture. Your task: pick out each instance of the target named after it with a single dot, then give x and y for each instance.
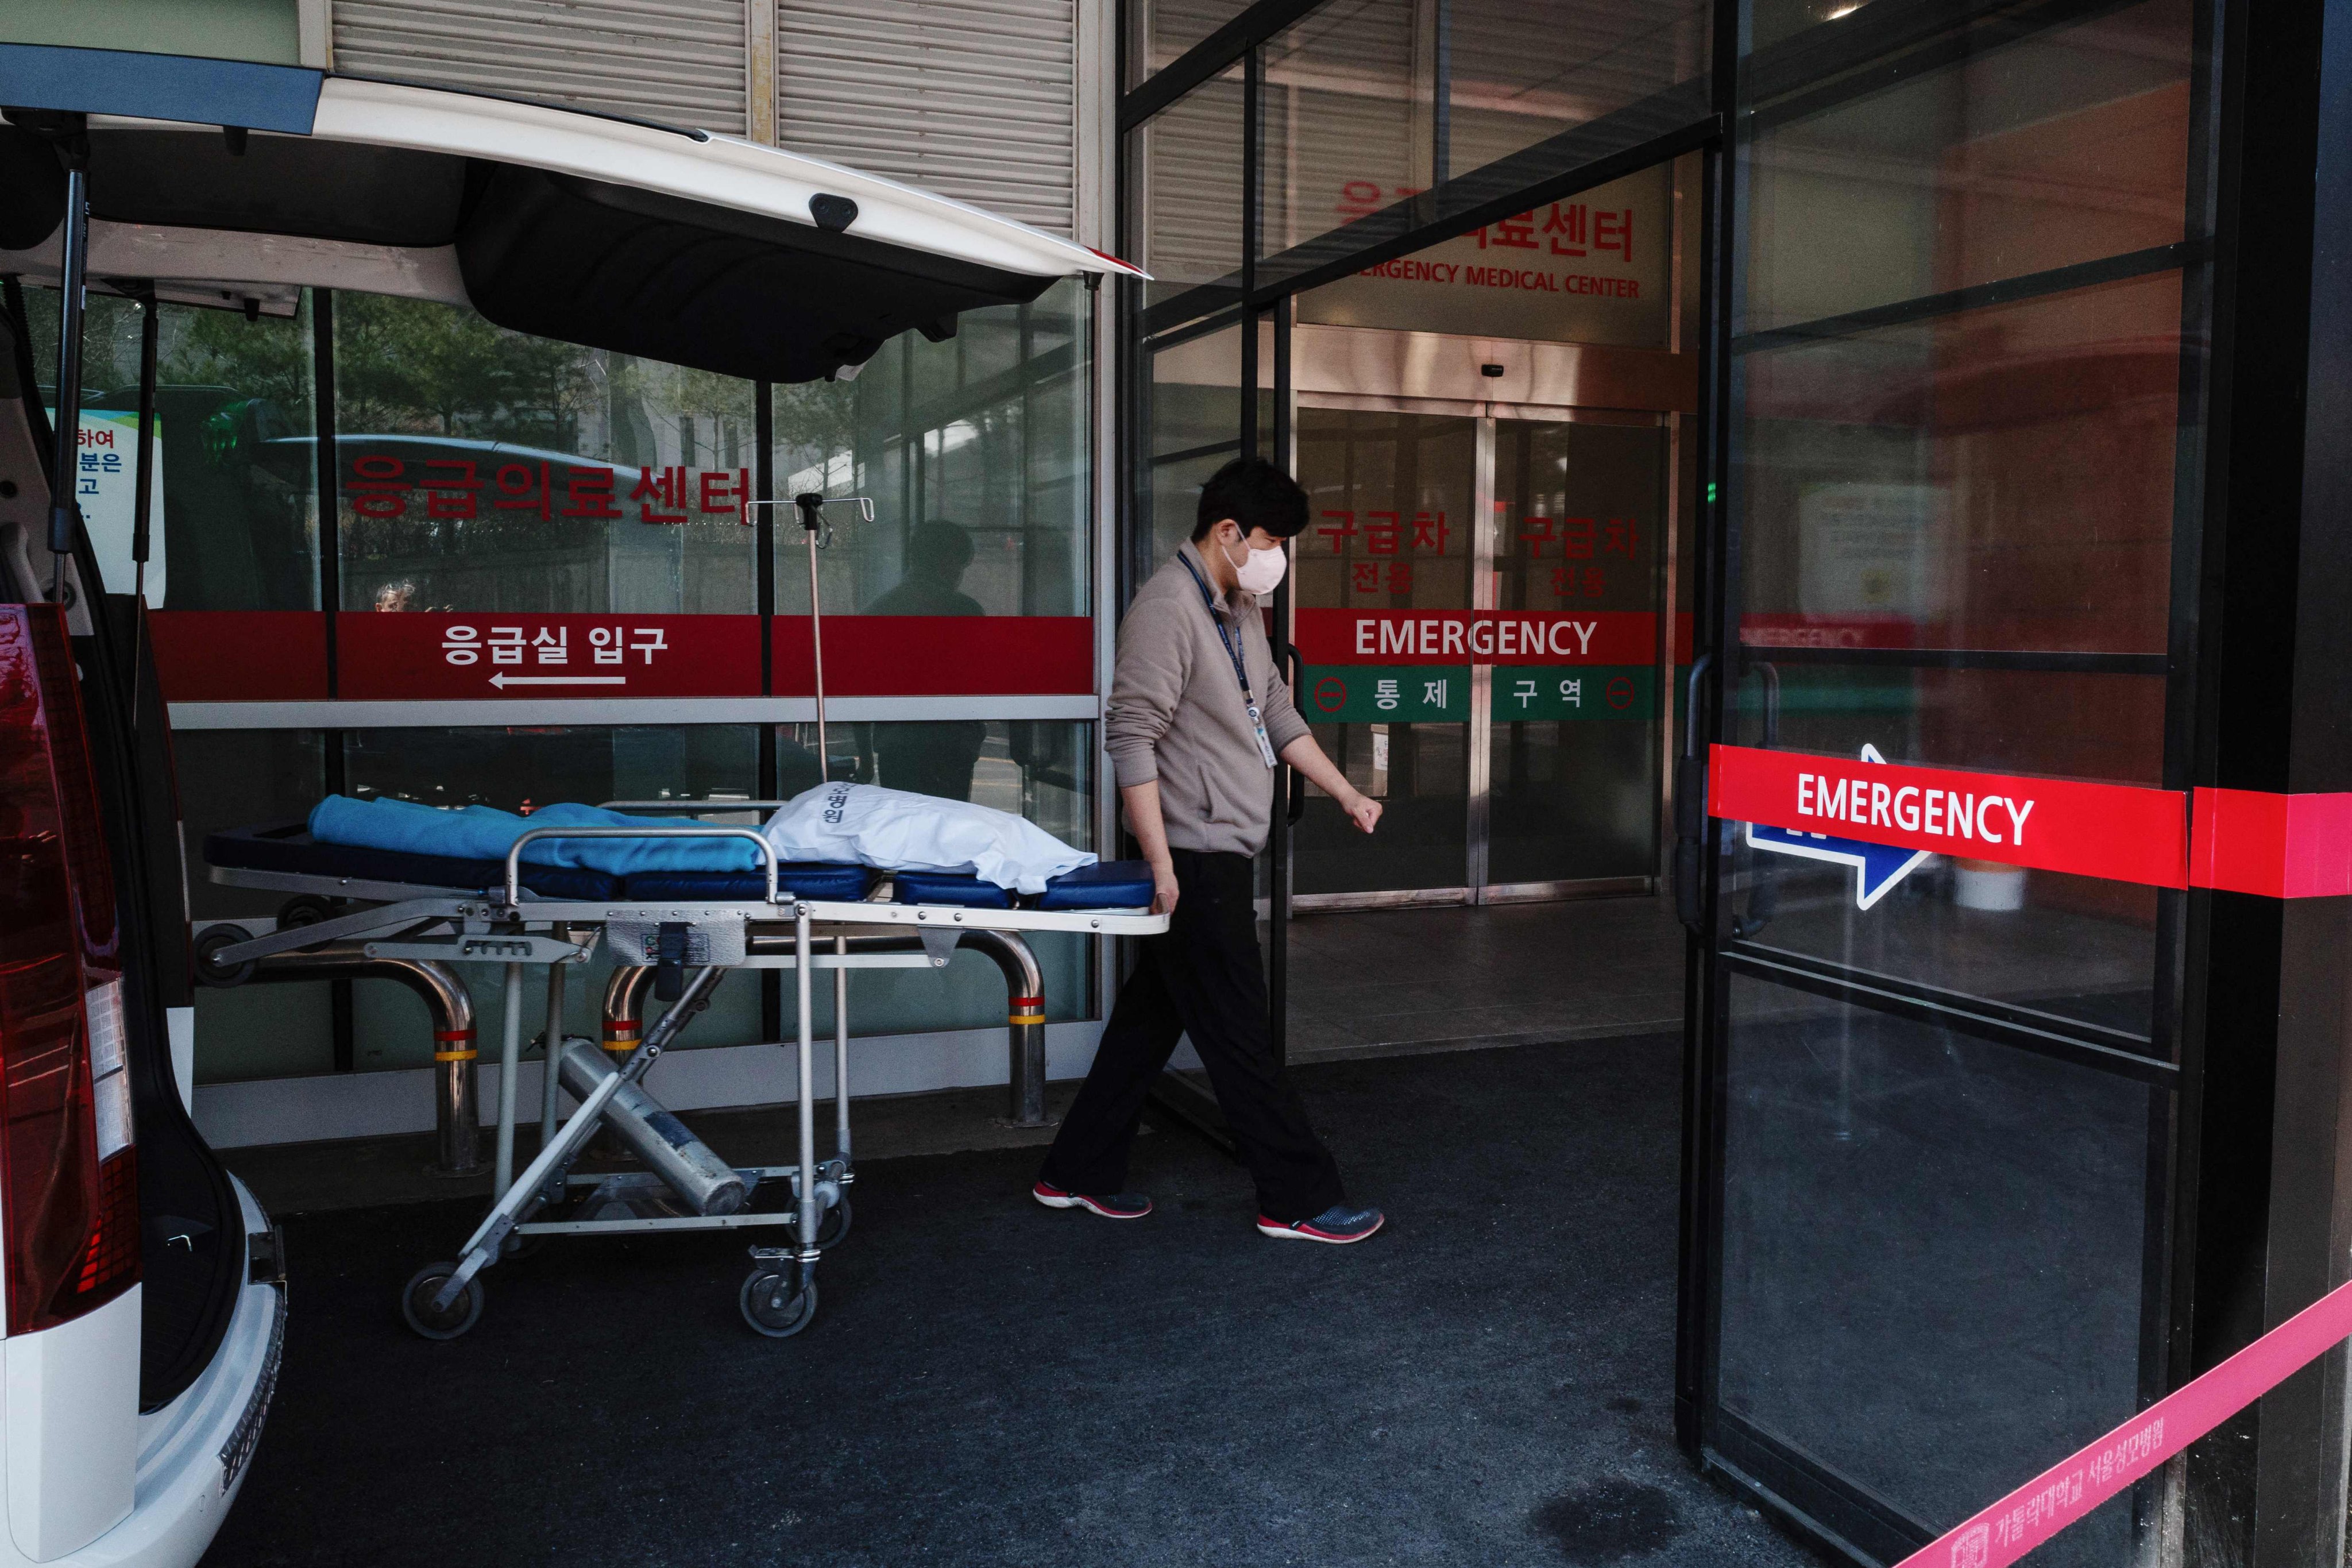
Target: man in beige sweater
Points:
(1198, 716)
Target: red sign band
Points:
(240, 656)
(204, 655)
(514, 654)
(939, 656)
(2123, 833)
(1478, 636)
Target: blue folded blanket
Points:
(484, 832)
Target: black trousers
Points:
(1206, 978)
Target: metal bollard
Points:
(457, 1102)
(1024, 1019)
(1024, 1013)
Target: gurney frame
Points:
(512, 926)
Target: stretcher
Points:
(691, 928)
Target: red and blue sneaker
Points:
(1338, 1225)
(1111, 1206)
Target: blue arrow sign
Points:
(1879, 867)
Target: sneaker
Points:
(1338, 1225)
(1111, 1206)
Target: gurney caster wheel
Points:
(833, 1226)
(210, 941)
(304, 909)
(417, 1303)
(772, 1306)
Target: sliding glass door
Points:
(1966, 290)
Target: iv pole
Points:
(810, 506)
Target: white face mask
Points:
(1261, 571)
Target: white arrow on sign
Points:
(502, 679)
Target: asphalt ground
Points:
(1488, 1382)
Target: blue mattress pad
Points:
(287, 846)
(825, 880)
(1105, 885)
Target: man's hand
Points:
(1163, 888)
(1308, 757)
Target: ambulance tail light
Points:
(69, 1164)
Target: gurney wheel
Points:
(772, 1306)
(833, 1226)
(304, 909)
(211, 940)
(417, 1303)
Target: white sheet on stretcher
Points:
(901, 831)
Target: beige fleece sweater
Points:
(1176, 712)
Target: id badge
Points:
(1257, 727)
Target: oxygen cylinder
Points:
(703, 1181)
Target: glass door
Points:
(1478, 602)
(1573, 749)
(1392, 497)
(1936, 1068)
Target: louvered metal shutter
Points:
(974, 99)
(681, 62)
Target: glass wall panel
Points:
(236, 527)
(1194, 405)
(1594, 268)
(520, 769)
(2000, 478)
(1931, 1245)
(1521, 72)
(241, 778)
(975, 452)
(1993, 479)
(1348, 119)
(483, 470)
(1184, 198)
(1160, 31)
(2061, 146)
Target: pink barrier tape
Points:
(2076, 1485)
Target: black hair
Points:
(1255, 494)
(938, 546)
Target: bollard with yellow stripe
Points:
(453, 1045)
(1026, 1010)
(621, 1035)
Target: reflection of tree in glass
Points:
(415, 367)
(269, 359)
(816, 429)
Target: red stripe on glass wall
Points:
(240, 656)
(939, 656)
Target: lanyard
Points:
(1241, 675)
